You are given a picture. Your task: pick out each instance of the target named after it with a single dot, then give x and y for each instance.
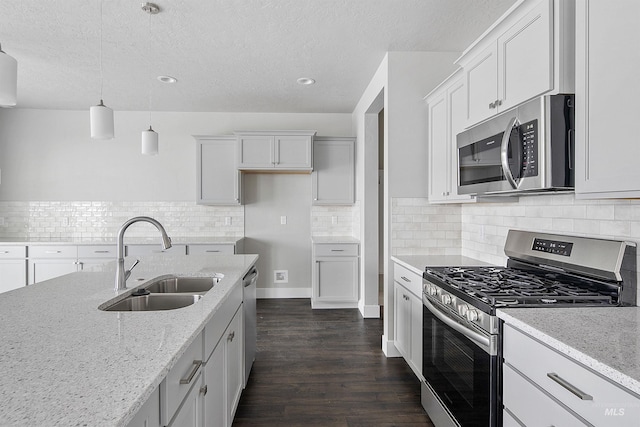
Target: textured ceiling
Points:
(228, 55)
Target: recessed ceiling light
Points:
(167, 79)
(305, 81)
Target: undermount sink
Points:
(192, 285)
(154, 302)
(166, 293)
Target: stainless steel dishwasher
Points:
(250, 282)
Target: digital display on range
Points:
(552, 247)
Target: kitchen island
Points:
(67, 363)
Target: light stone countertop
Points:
(64, 362)
(178, 240)
(417, 263)
(605, 339)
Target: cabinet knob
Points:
(231, 336)
(492, 105)
(203, 390)
(498, 102)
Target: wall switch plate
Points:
(334, 220)
(280, 276)
(1, 221)
(65, 221)
(283, 220)
(227, 220)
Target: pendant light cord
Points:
(101, 71)
(150, 69)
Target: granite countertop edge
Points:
(584, 351)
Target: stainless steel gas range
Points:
(462, 357)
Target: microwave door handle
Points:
(504, 151)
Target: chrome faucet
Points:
(123, 274)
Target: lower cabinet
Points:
(544, 387)
(149, 414)
(13, 267)
(335, 275)
(408, 317)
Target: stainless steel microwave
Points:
(529, 149)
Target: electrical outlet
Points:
(334, 220)
(283, 220)
(65, 221)
(280, 276)
(1, 221)
(227, 220)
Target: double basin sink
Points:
(166, 293)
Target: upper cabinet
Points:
(280, 150)
(446, 117)
(527, 53)
(607, 93)
(218, 179)
(333, 178)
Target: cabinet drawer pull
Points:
(203, 390)
(5, 252)
(196, 366)
(337, 250)
(570, 387)
(101, 252)
(52, 252)
(492, 105)
(212, 250)
(405, 279)
(231, 336)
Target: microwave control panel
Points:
(529, 139)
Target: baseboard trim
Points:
(270, 293)
(369, 311)
(389, 349)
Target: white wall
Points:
(399, 85)
(48, 155)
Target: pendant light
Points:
(8, 80)
(150, 137)
(101, 116)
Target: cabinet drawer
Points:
(96, 251)
(220, 320)
(141, 250)
(179, 380)
(7, 252)
(219, 248)
(53, 251)
(530, 405)
(605, 399)
(408, 279)
(336, 249)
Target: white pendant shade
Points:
(149, 142)
(8, 80)
(101, 118)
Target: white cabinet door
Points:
(234, 337)
(481, 76)
(402, 322)
(215, 398)
(336, 280)
(149, 414)
(255, 151)
(13, 274)
(333, 178)
(293, 152)
(45, 269)
(439, 145)
(447, 116)
(525, 57)
(217, 176)
(190, 413)
(607, 93)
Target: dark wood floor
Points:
(325, 368)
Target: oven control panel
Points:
(552, 247)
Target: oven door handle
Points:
(481, 340)
(504, 152)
